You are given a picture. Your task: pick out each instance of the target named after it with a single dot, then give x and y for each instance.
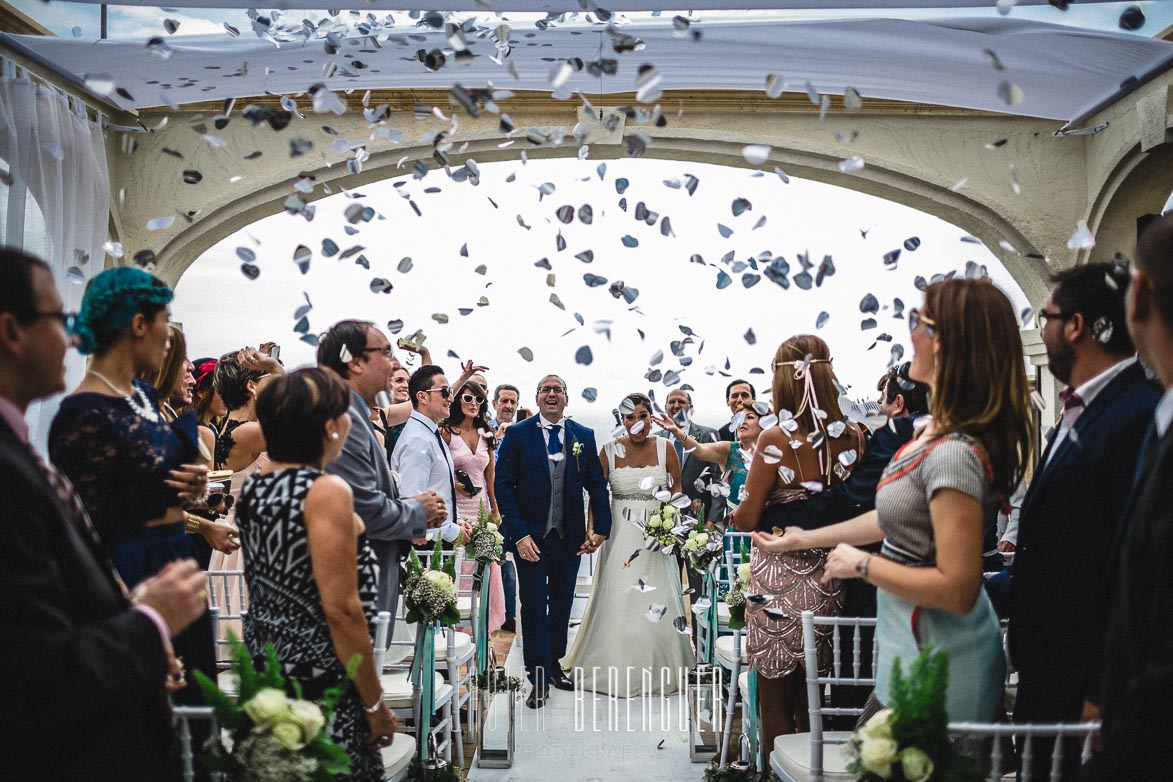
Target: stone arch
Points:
(1139, 184)
(889, 179)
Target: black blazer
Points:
(1138, 660)
(81, 673)
(1068, 521)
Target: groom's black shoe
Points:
(560, 680)
(537, 696)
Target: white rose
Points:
(743, 572)
(309, 717)
(441, 581)
(917, 765)
(267, 706)
(288, 735)
(877, 756)
(492, 527)
(880, 725)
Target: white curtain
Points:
(55, 200)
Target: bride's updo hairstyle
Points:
(637, 399)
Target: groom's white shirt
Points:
(545, 425)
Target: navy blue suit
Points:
(1138, 659)
(546, 587)
(1068, 522)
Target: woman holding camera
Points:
(470, 439)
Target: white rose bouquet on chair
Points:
(267, 736)
(430, 593)
(487, 544)
(910, 741)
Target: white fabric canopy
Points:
(1060, 71)
(567, 6)
(58, 204)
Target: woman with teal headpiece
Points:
(133, 470)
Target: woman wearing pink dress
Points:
(469, 438)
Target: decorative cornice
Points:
(720, 101)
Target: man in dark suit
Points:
(1072, 507)
(546, 463)
(83, 668)
(695, 475)
(736, 393)
(362, 356)
(1137, 688)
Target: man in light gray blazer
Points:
(361, 355)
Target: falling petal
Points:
(822, 319)
(756, 154)
(584, 355)
(853, 163)
(1082, 239)
(590, 394)
(250, 271)
(381, 285)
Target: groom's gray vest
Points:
(556, 520)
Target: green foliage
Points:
(417, 773)
(716, 773)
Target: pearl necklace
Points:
(138, 401)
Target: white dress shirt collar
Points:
(1090, 389)
(544, 424)
(1165, 413)
(423, 419)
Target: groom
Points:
(545, 463)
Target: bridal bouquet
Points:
(662, 529)
(265, 735)
(910, 741)
(487, 543)
(430, 593)
(700, 545)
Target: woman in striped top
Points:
(939, 494)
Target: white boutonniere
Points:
(576, 451)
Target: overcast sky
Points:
(221, 309)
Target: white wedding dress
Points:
(618, 647)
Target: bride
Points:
(629, 632)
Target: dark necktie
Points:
(451, 474)
(76, 512)
(1147, 447)
(1070, 400)
(554, 447)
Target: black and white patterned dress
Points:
(285, 607)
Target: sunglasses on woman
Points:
(917, 319)
(472, 399)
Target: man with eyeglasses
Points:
(362, 356)
(547, 462)
(421, 457)
(83, 666)
(1072, 507)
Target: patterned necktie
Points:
(76, 512)
(1072, 402)
(554, 447)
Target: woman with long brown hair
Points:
(938, 495)
(811, 449)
